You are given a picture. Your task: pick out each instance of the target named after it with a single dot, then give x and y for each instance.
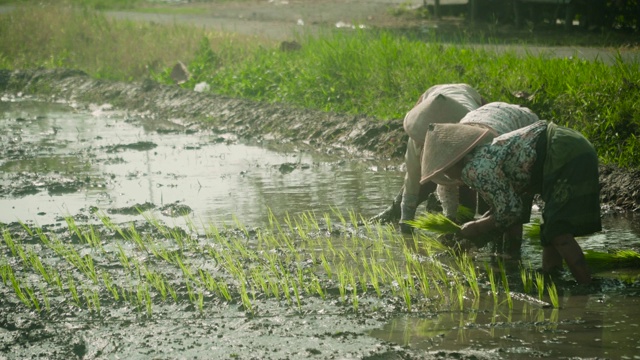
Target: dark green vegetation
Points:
(374, 72)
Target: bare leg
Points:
(568, 249)
(391, 213)
(512, 240)
(426, 190)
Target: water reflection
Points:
(109, 160)
(584, 327)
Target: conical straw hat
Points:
(436, 108)
(446, 144)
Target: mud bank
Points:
(347, 135)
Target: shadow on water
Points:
(60, 161)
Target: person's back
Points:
(501, 117)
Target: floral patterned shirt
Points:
(501, 171)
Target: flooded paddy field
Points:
(63, 161)
(125, 235)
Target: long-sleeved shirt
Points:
(463, 94)
(501, 171)
(501, 118)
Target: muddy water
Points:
(59, 160)
(600, 326)
(62, 161)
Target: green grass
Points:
(84, 39)
(375, 73)
(89, 4)
(172, 10)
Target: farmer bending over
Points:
(446, 103)
(556, 162)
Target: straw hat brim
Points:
(446, 144)
(436, 108)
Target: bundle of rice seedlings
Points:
(602, 261)
(532, 229)
(465, 214)
(434, 222)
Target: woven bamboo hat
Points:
(436, 108)
(446, 144)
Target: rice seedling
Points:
(143, 297)
(601, 261)
(354, 220)
(71, 284)
(326, 266)
(532, 229)
(434, 222)
(317, 287)
(327, 220)
(200, 301)
(505, 283)
(553, 295)
(375, 282)
(172, 292)
(296, 292)
(36, 264)
(423, 279)
(341, 217)
(5, 269)
(460, 294)
(45, 298)
(92, 299)
(354, 291)
(342, 283)
(10, 242)
(57, 280)
(406, 293)
(122, 256)
(464, 214)
(17, 288)
(111, 287)
(527, 279)
(32, 298)
(466, 266)
(539, 284)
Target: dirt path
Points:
(281, 20)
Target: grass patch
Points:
(376, 73)
(172, 10)
(79, 38)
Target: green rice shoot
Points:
(532, 229)
(434, 222)
(465, 214)
(602, 261)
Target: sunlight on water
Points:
(79, 162)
